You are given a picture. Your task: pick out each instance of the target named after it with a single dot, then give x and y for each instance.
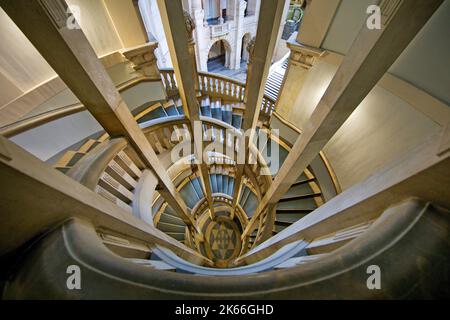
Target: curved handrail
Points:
(40, 119)
(49, 116)
(401, 228)
(159, 123)
(268, 263)
(221, 77)
(88, 170)
(55, 114)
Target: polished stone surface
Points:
(223, 241)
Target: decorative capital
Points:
(190, 25)
(302, 55)
(143, 59)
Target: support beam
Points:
(421, 173)
(316, 22)
(179, 27)
(370, 57)
(261, 50)
(35, 198)
(69, 53)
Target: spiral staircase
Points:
(110, 168)
(140, 218)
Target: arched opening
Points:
(219, 56)
(244, 53)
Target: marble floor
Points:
(217, 66)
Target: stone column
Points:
(198, 15)
(190, 27)
(144, 60)
(235, 60)
(302, 59)
(221, 20)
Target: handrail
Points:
(399, 231)
(221, 77)
(221, 87)
(55, 114)
(149, 126)
(155, 124)
(46, 117)
(40, 119)
(216, 85)
(287, 123)
(331, 173)
(88, 170)
(200, 209)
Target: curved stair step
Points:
(170, 219)
(283, 223)
(289, 217)
(293, 211)
(302, 196)
(176, 235)
(167, 227)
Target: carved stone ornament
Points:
(251, 46)
(190, 25)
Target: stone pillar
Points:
(250, 49)
(198, 15)
(235, 60)
(221, 20)
(144, 60)
(302, 58)
(190, 27)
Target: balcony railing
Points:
(218, 86)
(221, 87)
(219, 29)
